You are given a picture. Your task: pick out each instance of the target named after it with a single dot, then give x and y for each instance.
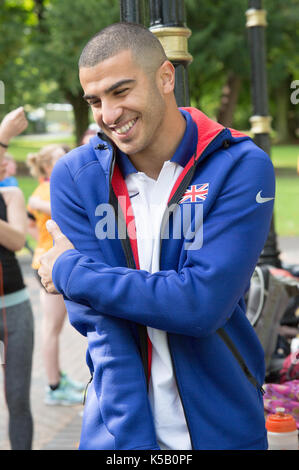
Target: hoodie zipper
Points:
(231, 346)
(132, 265)
(127, 249)
(85, 390)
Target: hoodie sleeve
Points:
(202, 296)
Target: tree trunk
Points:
(81, 114)
(229, 99)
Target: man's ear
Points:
(166, 77)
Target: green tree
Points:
(220, 72)
(16, 19)
(40, 49)
(283, 64)
(63, 30)
(221, 58)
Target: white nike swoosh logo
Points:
(260, 200)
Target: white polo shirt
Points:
(149, 200)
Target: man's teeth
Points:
(124, 129)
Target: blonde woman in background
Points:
(61, 390)
(11, 170)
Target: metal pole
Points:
(260, 120)
(132, 11)
(168, 23)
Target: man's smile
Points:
(124, 129)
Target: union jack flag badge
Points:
(195, 193)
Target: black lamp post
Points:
(132, 11)
(168, 23)
(260, 120)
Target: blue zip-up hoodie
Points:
(197, 296)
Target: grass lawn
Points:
(286, 209)
(21, 146)
(28, 185)
(284, 158)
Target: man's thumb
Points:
(54, 230)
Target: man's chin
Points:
(127, 147)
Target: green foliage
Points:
(64, 30)
(219, 45)
(41, 43)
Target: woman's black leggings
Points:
(19, 332)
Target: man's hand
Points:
(47, 261)
(13, 124)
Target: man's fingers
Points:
(54, 230)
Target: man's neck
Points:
(151, 160)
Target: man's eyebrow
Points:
(118, 84)
(111, 88)
(89, 97)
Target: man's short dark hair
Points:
(146, 48)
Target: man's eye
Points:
(119, 92)
(94, 103)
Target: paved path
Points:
(289, 248)
(57, 427)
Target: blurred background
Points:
(41, 40)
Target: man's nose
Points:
(110, 114)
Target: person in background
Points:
(61, 390)
(16, 318)
(11, 170)
(88, 134)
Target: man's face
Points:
(125, 101)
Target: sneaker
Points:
(62, 396)
(69, 383)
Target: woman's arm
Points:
(32, 228)
(38, 204)
(13, 232)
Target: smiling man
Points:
(129, 103)
(175, 363)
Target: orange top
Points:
(45, 241)
(281, 422)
